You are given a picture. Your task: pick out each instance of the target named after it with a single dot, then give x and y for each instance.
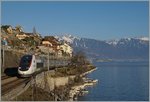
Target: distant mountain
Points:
(67, 38)
(125, 48)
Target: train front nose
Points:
(25, 65)
(19, 68)
(23, 73)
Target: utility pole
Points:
(48, 59)
(4, 43)
(3, 58)
(55, 96)
(32, 86)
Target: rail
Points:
(12, 85)
(5, 77)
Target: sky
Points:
(97, 20)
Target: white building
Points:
(9, 30)
(22, 36)
(66, 48)
(46, 43)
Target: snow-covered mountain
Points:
(143, 38)
(126, 40)
(67, 38)
(125, 48)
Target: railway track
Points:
(7, 87)
(5, 77)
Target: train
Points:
(30, 64)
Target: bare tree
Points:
(79, 59)
(80, 62)
(19, 28)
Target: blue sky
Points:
(99, 20)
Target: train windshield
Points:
(25, 61)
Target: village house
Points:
(59, 49)
(66, 49)
(21, 35)
(10, 30)
(7, 28)
(51, 43)
(59, 53)
(18, 29)
(46, 43)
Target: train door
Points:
(34, 65)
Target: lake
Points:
(119, 81)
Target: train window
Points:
(25, 61)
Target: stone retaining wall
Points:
(45, 81)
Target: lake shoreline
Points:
(80, 90)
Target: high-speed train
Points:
(30, 64)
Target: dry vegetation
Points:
(79, 64)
